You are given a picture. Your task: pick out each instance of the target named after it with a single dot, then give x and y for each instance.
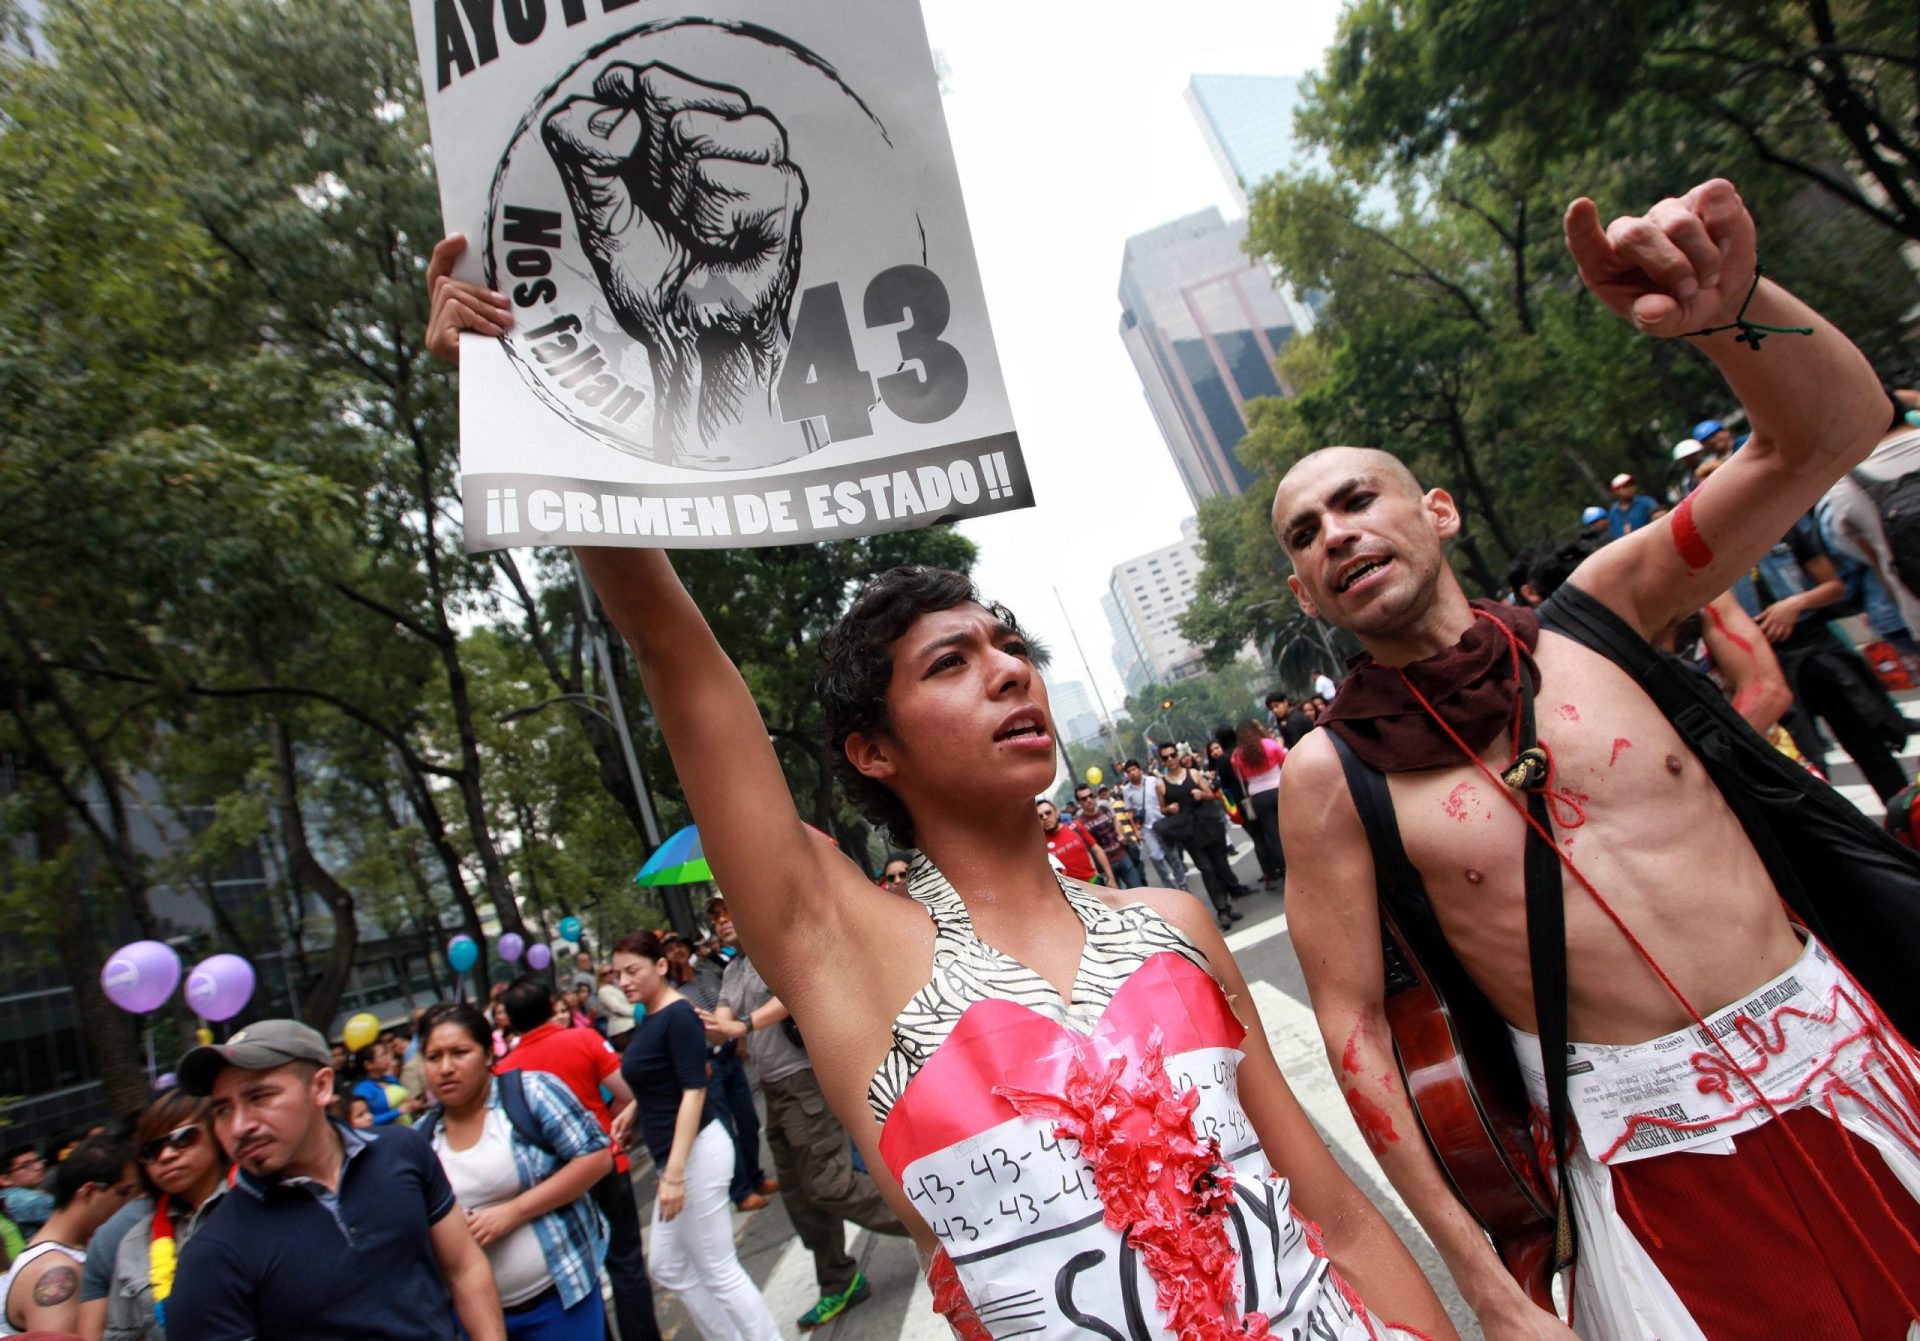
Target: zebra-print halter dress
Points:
(967, 969)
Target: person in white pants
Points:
(665, 1065)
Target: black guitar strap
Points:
(1401, 888)
(1546, 953)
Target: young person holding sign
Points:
(1034, 1066)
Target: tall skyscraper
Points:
(1073, 712)
(1203, 323)
(1150, 593)
(1129, 649)
(1247, 121)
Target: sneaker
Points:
(753, 1201)
(832, 1306)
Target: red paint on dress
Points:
(1456, 803)
(1375, 1123)
(1619, 743)
(1569, 712)
(1693, 549)
(1728, 633)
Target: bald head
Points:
(1384, 467)
(1367, 544)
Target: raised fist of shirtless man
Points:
(1642, 821)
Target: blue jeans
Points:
(732, 1099)
(547, 1321)
(1126, 871)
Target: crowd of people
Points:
(1770, 639)
(1053, 1076)
(295, 1156)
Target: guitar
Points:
(1455, 1059)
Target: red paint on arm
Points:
(1619, 743)
(1727, 633)
(1687, 541)
(1375, 1123)
(1350, 1059)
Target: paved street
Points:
(901, 1307)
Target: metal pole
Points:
(1106, 722)
(679, 911)
(605, 659)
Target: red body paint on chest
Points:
(1728, 633)
(1456, 803)
(1569, 712)
(1693, 550)
(1619, 743)
(1375, 1123)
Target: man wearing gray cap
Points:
(329, 1231)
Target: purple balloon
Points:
(140, 976)
(511, 947)
(538, 957)
(220, 987)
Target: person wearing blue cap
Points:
(1593, 520)
(1713, 435)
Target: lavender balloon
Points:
(511, 947)
(539, 957)
(220, 987)
(140, 976)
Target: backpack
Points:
(513, 1102)
(1898, 503)
(1849, 881)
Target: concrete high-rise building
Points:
(1129, 649)
(1150, 594)
(1073, 712)
(1247, 121)
(1203, 323)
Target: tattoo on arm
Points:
(57, 1284)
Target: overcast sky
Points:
(1072, 135)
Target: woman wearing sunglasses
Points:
(130, 1263)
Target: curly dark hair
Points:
(858, 667)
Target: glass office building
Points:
(1203, 323)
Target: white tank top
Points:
(78, 1255)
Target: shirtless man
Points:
(943, 724)
(1658, 842)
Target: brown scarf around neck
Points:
(1471, 685)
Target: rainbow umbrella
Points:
(681, 860)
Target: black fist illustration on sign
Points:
(689, 210)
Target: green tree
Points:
(1827, 94)
(1457, 334)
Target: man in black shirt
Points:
(1289, 721)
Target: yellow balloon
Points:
(361, 1030)
(1093, 777)
(203, 1035)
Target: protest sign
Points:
(746, 305)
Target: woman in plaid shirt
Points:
(523, 1181)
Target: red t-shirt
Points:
(579, 1059)
(1074, 850)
